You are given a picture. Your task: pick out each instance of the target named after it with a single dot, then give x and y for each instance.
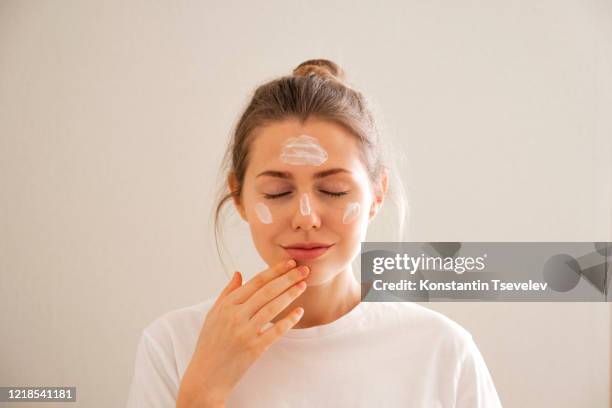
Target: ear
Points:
(232, 183)
(379, 196)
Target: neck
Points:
(326, 302)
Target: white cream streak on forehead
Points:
(263, 213)
(351, 213)
(303, 150)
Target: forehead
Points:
(341, 146)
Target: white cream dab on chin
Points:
(351, 213)
(304, 205)
(263, 213)
(303, 150)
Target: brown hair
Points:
(316, 88)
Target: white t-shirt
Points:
(380, 354)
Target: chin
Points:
(318, 277)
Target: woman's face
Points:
(306, 184)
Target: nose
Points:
(305, 217)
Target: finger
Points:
(281, 327)
(273, 289)
(277, 305)
(243, 293)
(235, 282)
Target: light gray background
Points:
(114, 116)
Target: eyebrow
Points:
(287, 175)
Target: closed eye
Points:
(331, 193)
(273, 196)
(338, 194)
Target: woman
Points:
(307, 173)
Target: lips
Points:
(302, 252)
(308, 245)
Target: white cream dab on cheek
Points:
(263, 213)
(351, 213)
(303, 150)
(304, 205)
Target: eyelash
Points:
(274, 196)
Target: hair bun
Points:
(321, 67)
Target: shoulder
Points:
(178, 327)
(444, 347)
(413, 315)
(163, 353)
(418, 323)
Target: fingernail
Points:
(290, 263)
(303, 270)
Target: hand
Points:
(231, 338)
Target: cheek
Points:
(264, 215)
(353, 222)
(263, 226)
(351, 212)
